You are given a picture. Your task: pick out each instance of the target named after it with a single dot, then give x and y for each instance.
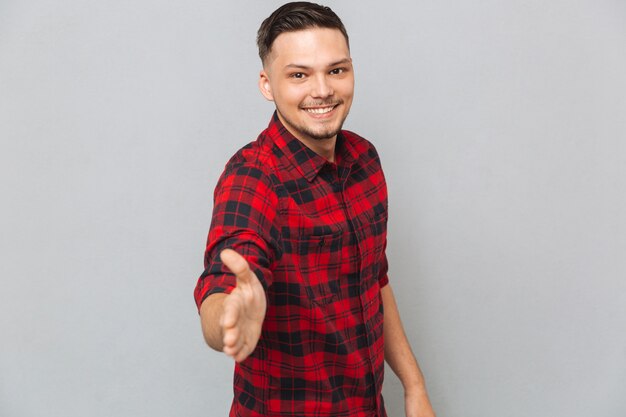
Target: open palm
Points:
(243, 309)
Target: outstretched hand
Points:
(243, 309)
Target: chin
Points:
(323, 135)
(321, 138)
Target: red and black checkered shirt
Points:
(314, 232)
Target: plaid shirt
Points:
(314, 232)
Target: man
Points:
(295, 273)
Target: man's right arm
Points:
(230, 294)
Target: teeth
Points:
(320, 111)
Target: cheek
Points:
(292, 96)
(345, 88)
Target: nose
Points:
(321, 87)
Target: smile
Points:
(320, 110)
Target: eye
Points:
(297, 75)
(337, 71)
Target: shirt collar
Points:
(306, 161)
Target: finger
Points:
(235, 349)
(232, 310)
(231, 337)
(232, 352)
(246, 350)
(235, 344)
(237, 264)
(243, 353)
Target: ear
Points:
(264, 86)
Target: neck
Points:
(324, 148)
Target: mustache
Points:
(322, 103)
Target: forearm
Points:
(398, 352)
(211, 312)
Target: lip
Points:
(325, 115)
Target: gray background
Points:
(502, 130)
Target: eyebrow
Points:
(299, 66)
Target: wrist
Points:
(415, 389)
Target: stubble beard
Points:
(320, 134)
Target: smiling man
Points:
(295, 286)
(308, 75)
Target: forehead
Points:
(309, 47)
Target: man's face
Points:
(309, 76)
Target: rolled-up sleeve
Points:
(244, 219)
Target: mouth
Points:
(320, 110)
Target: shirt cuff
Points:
(207, 285)
(383, 281)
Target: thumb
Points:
(237, 265)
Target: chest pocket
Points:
(318, 265)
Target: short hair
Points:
(294, 16)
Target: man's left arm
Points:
(400, 358)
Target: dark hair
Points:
(291, 17)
